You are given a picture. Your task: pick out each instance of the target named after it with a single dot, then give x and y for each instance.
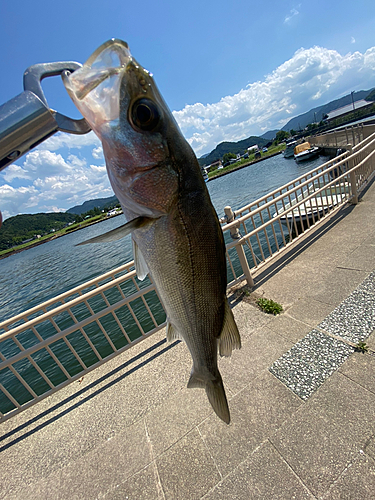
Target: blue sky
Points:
(227, 69)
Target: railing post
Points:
(353, 182)
(235, 235)
(244, 264)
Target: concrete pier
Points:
(302, 400)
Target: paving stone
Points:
(362, 258)
(176, 417)
(187, 470)
(309, 311)
(256, 412)
(370, 447)
(289, 328)
(326, 434)
(142, 486)
(95, 473)
(255, 355)
(338, 284)
(305, 367)
(353, 319)
(361, 369)
(356, 482)
(264, 475)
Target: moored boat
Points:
(289, 150)
(305, 151)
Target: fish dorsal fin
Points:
(229, 338)
(172, 333)
(120, 232)
(140, 263)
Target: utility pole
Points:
(352, 93)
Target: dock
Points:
(302, 397)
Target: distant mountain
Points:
(23, 227)
(316, 114)
(231, 147)
(91, 204)
(270, 135)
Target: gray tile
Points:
(356, 482)
(289, 328)
(309, 311)
(142, 486)
(362, 258)
(255, 355)
(96, 472)
(361, 369)
(179, 415)
(187, 470)
(264, 475)
(325, 436)
(370, 447)
(305, 367)
(353, 319)
(256, 412)
(337, 285)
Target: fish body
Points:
(176, 234)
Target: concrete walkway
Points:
(302, 401)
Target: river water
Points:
(40, 273)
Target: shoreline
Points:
(243, 166)
(54, 237)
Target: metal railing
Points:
(266, 227)
(51, 345)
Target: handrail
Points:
(79, 334)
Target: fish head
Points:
(122, 104)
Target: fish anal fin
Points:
(229, 338)
(140, 263)
(172, 332)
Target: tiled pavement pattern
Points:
(132, 431)
(314, 358)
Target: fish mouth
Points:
(94, 88)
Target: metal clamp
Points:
(26, 120)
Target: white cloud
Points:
(352, 40)
(289, 17)
(311, 77)
(97, 153)
(54, 183)
(62, 139)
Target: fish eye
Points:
(145, 115)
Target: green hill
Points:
(91, 204)
(23, 227)
(231, 147)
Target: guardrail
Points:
(47, 347)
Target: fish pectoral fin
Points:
(119, 232)
(215, 392)
(140, 263)
(172, 332)
(229, 338)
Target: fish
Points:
(176, 235)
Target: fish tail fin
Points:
(215, 392)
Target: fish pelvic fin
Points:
(229, 338)
(215, 392)
(119, 232)
(172, 332)
(139, 262)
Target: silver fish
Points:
(176, 234)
